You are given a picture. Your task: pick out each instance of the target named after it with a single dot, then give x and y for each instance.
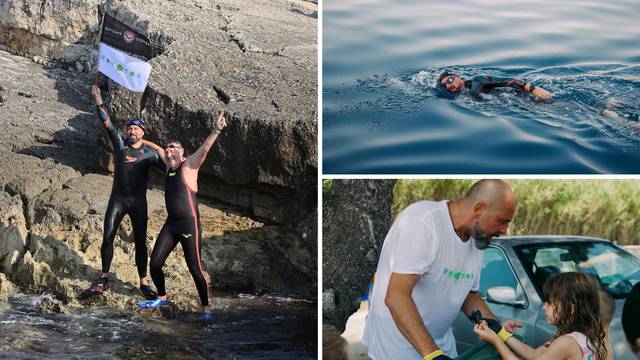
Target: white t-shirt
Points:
(422, 241)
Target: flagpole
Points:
(97, 78)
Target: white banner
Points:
(130, 72)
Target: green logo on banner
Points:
(120, 67)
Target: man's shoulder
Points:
(423, 209)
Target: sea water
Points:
(243, 327)
(381, 60)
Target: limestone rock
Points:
(356, 218)
(6, 287)
(61, 30)
(13, 231)
(50, 305)
(255, 61)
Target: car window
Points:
(497, 272)
(616, 270)
(553, 257)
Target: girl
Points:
(573, 303)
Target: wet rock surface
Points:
(52, 205)
(356, 218)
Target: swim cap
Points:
(441, 90)
(444, 74)
(137, 123)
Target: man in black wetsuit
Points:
(132, 160)
(183, 220)
(451, 85)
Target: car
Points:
(515, 268)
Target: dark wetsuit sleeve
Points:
(156, 161)
(114, 135)
(494, 82)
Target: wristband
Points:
(433, 355)
(531, 88)
(99, 104)
(504, 334)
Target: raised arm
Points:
(114, 136)
(157, 148)
(198, 157)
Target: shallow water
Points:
(381, 61)
(244, 327)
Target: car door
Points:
(498, 271)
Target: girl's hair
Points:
(576, 300)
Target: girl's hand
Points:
(485, 333)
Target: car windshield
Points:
(616, 270)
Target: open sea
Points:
(381, 60)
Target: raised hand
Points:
(221, 122)
(95, 91)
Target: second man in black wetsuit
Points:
(132, 160)
(451, 84)
(183, 220)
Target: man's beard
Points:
(133, 139)
(481, 239)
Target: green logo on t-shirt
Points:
(457, 275)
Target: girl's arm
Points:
(523, 350)
(561, 348)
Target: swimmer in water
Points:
(451, 85)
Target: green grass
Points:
(601, 208)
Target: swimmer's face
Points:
(134, 134)
(453, 83)
(174, 151)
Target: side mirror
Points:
(505, 295)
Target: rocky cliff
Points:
(260, 238)
(356, 218)
(255, 60)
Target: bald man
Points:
(429, 270)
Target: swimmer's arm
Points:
(405, 312)
(536, 91)
(157, 148)
(114, 136)
(197, 158)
